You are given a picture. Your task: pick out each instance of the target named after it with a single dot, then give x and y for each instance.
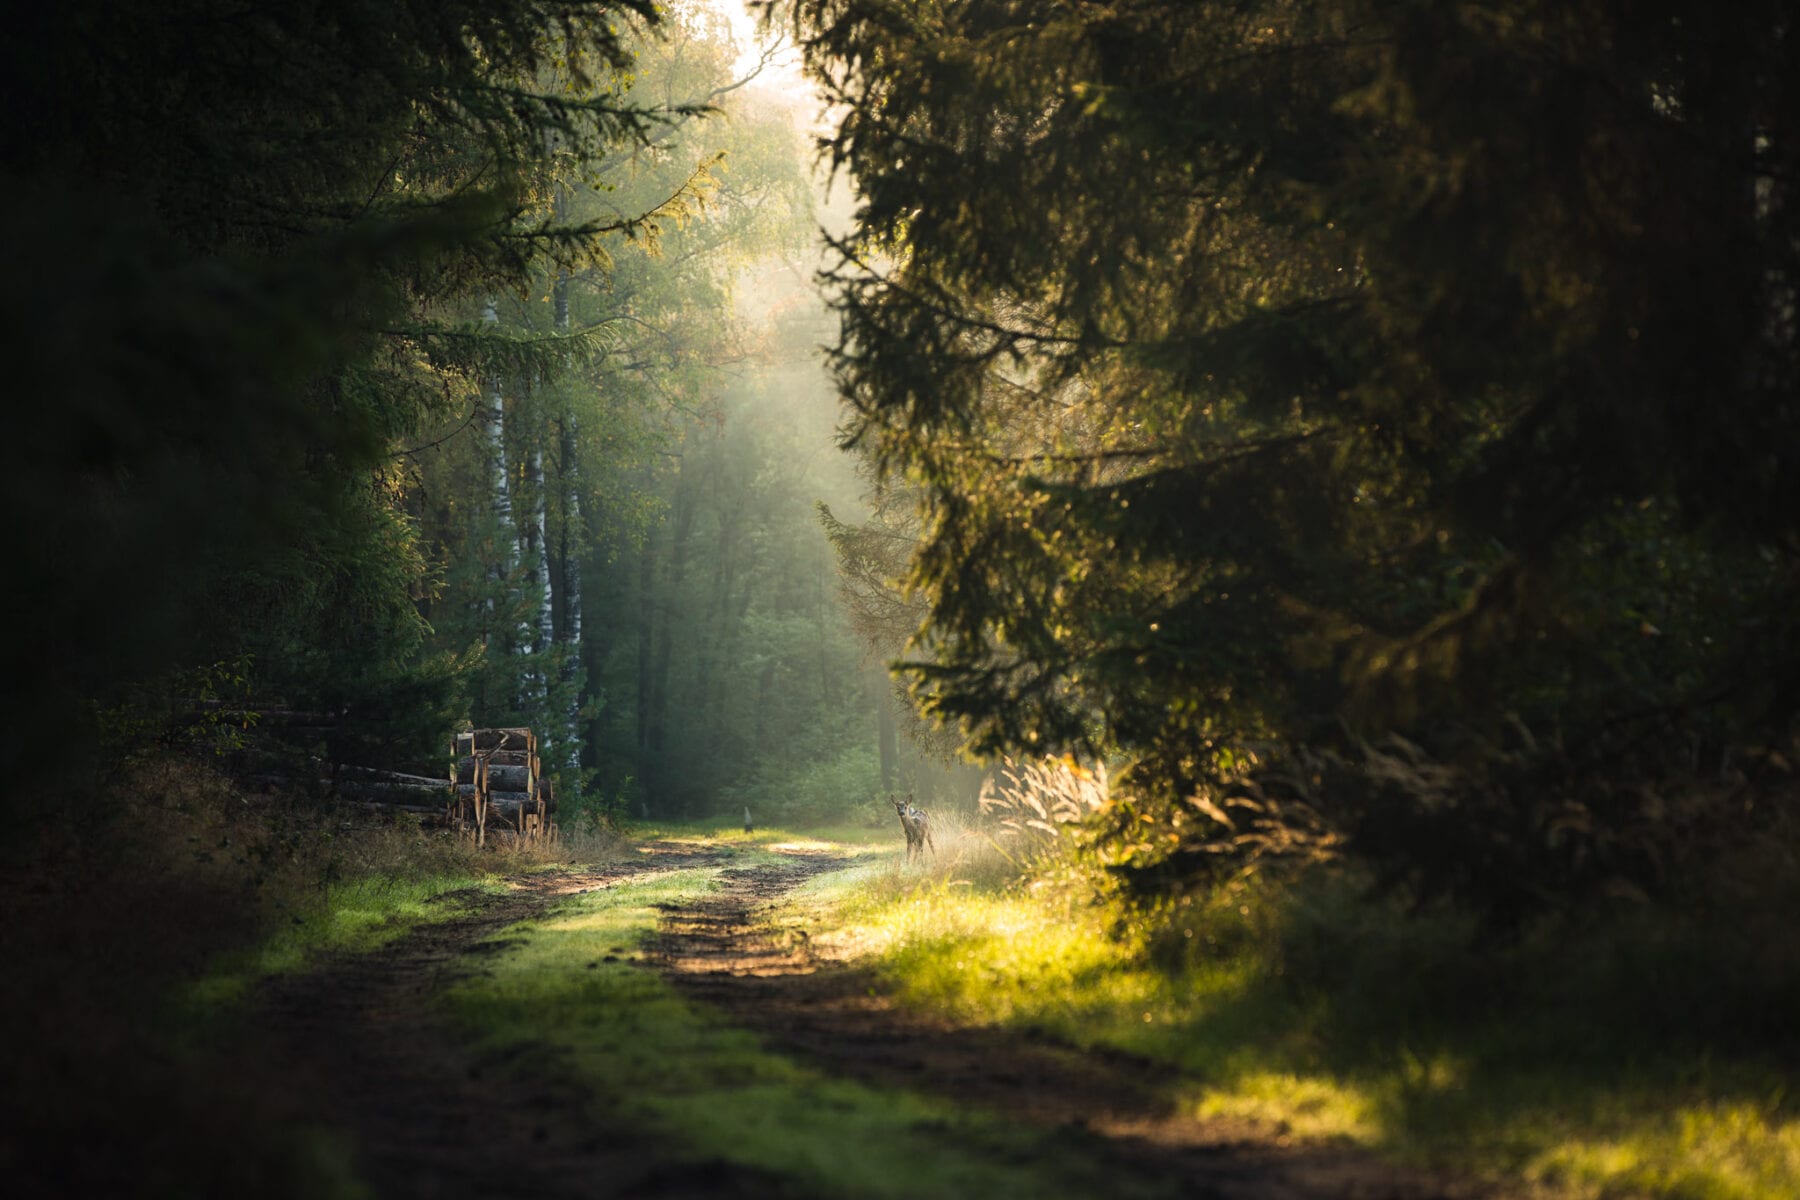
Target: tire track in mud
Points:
(721, 951)
(360, 1044)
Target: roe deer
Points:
(917, 824)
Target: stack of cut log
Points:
(387, 794)
(393, 791)
(498, 786)
(493, 785)
(288, 750)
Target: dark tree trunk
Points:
(646, 675)
(888, 731)
(654, 760)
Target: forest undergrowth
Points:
(134, 938)
(1640, 1052)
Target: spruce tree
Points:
(1286, 377)
(240, 236)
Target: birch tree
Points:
(616, 351)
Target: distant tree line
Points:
(352, 344)
(562, 502)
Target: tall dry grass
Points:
(583, 840)
(1035, 806)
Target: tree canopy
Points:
(1283, 378)
(236, 231)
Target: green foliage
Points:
(619, 364)
(210, 722)
(806, 792)
(1286, 375)
(244, 227)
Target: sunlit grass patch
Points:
(1707, 1152)
(803, 846)
(963, 855)
(985, 958)
(1048, 961)
(1321, 1016)
(1306, 1106)
(638, 832)
(723, 831)
(850, 837)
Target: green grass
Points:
(1627, 1061)
(345, 918)
(1323, 1016)
(704, 1090)
(722, 831)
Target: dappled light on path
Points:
(716, 935)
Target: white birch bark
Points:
(493, 421)
(540, 558)
(537, 561)
(571, 585)
(569, 479)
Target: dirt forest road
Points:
(431, 1118)
(428, 1117)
